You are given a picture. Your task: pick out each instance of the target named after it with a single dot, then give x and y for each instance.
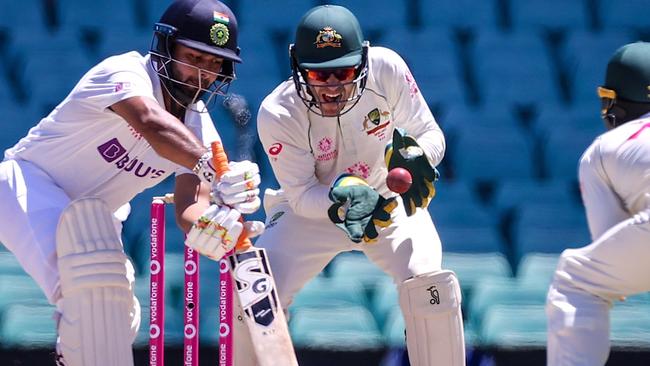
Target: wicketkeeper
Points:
(325, 132)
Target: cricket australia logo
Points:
(435, 295)
(328, 37)
(376, 122)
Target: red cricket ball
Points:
(399, 180)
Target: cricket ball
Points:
(399, 180)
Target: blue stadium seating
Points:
(435, 67)
(548, 228)
(98, 15)
(585, 55)
(506, 65)
(539, 14)
(507, 153)
(623, 14)
(480, 15)
(27, 326)
(561, 152)
(510, 326)
(341, 328)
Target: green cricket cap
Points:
(628, 72)
(327, 37)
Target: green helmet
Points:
(626, 92)
(328, 37)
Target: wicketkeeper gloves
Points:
(404, 152)
(358, 209)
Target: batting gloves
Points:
(216, 232)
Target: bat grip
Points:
(220, 161)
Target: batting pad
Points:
(97, 303)
(434, 323)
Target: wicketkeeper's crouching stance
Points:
(326, 132)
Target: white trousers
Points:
(586, 283)
(31, 204)
(299, 248)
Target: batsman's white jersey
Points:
(615, 184)
(308, 151)
(82, 149)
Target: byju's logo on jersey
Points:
(113, 152)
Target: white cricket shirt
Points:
(308, 151)
(615, 175)
(91, 151)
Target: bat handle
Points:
(220, 161)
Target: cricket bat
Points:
(255, 290)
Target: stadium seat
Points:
(450, 191)
(354, 266)
(511, 194)
(9, 265)
(472, 267)
(582, 116)
(512, 326)
(537, 269)
(630, 326)
(455, 13)
(343, 328)
(471, 239)
(434, 67)
(462, 213)
(330, 293)
(506, 65)
(491, 292)
(384, 301)
(394, 329)
(33, 66)
(20, 289)
(117, 41)
(393, 12)
(548, 228)
(24, 16)
(623, 14)
(562, 150)
(505, 154)
(539, 14)
(495, 116)
(97, 15)
(267, 17)
(27, 326)
(585, 57)
(17, 120)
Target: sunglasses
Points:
(323, 75)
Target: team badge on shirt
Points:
(328, 37)
(376, 122)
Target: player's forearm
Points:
(434, 146)
(165, 133)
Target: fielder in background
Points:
(615, 184)
(326, 132)
(129, 123)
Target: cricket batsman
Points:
(130, 122)
(614, 175)
(349, 113)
